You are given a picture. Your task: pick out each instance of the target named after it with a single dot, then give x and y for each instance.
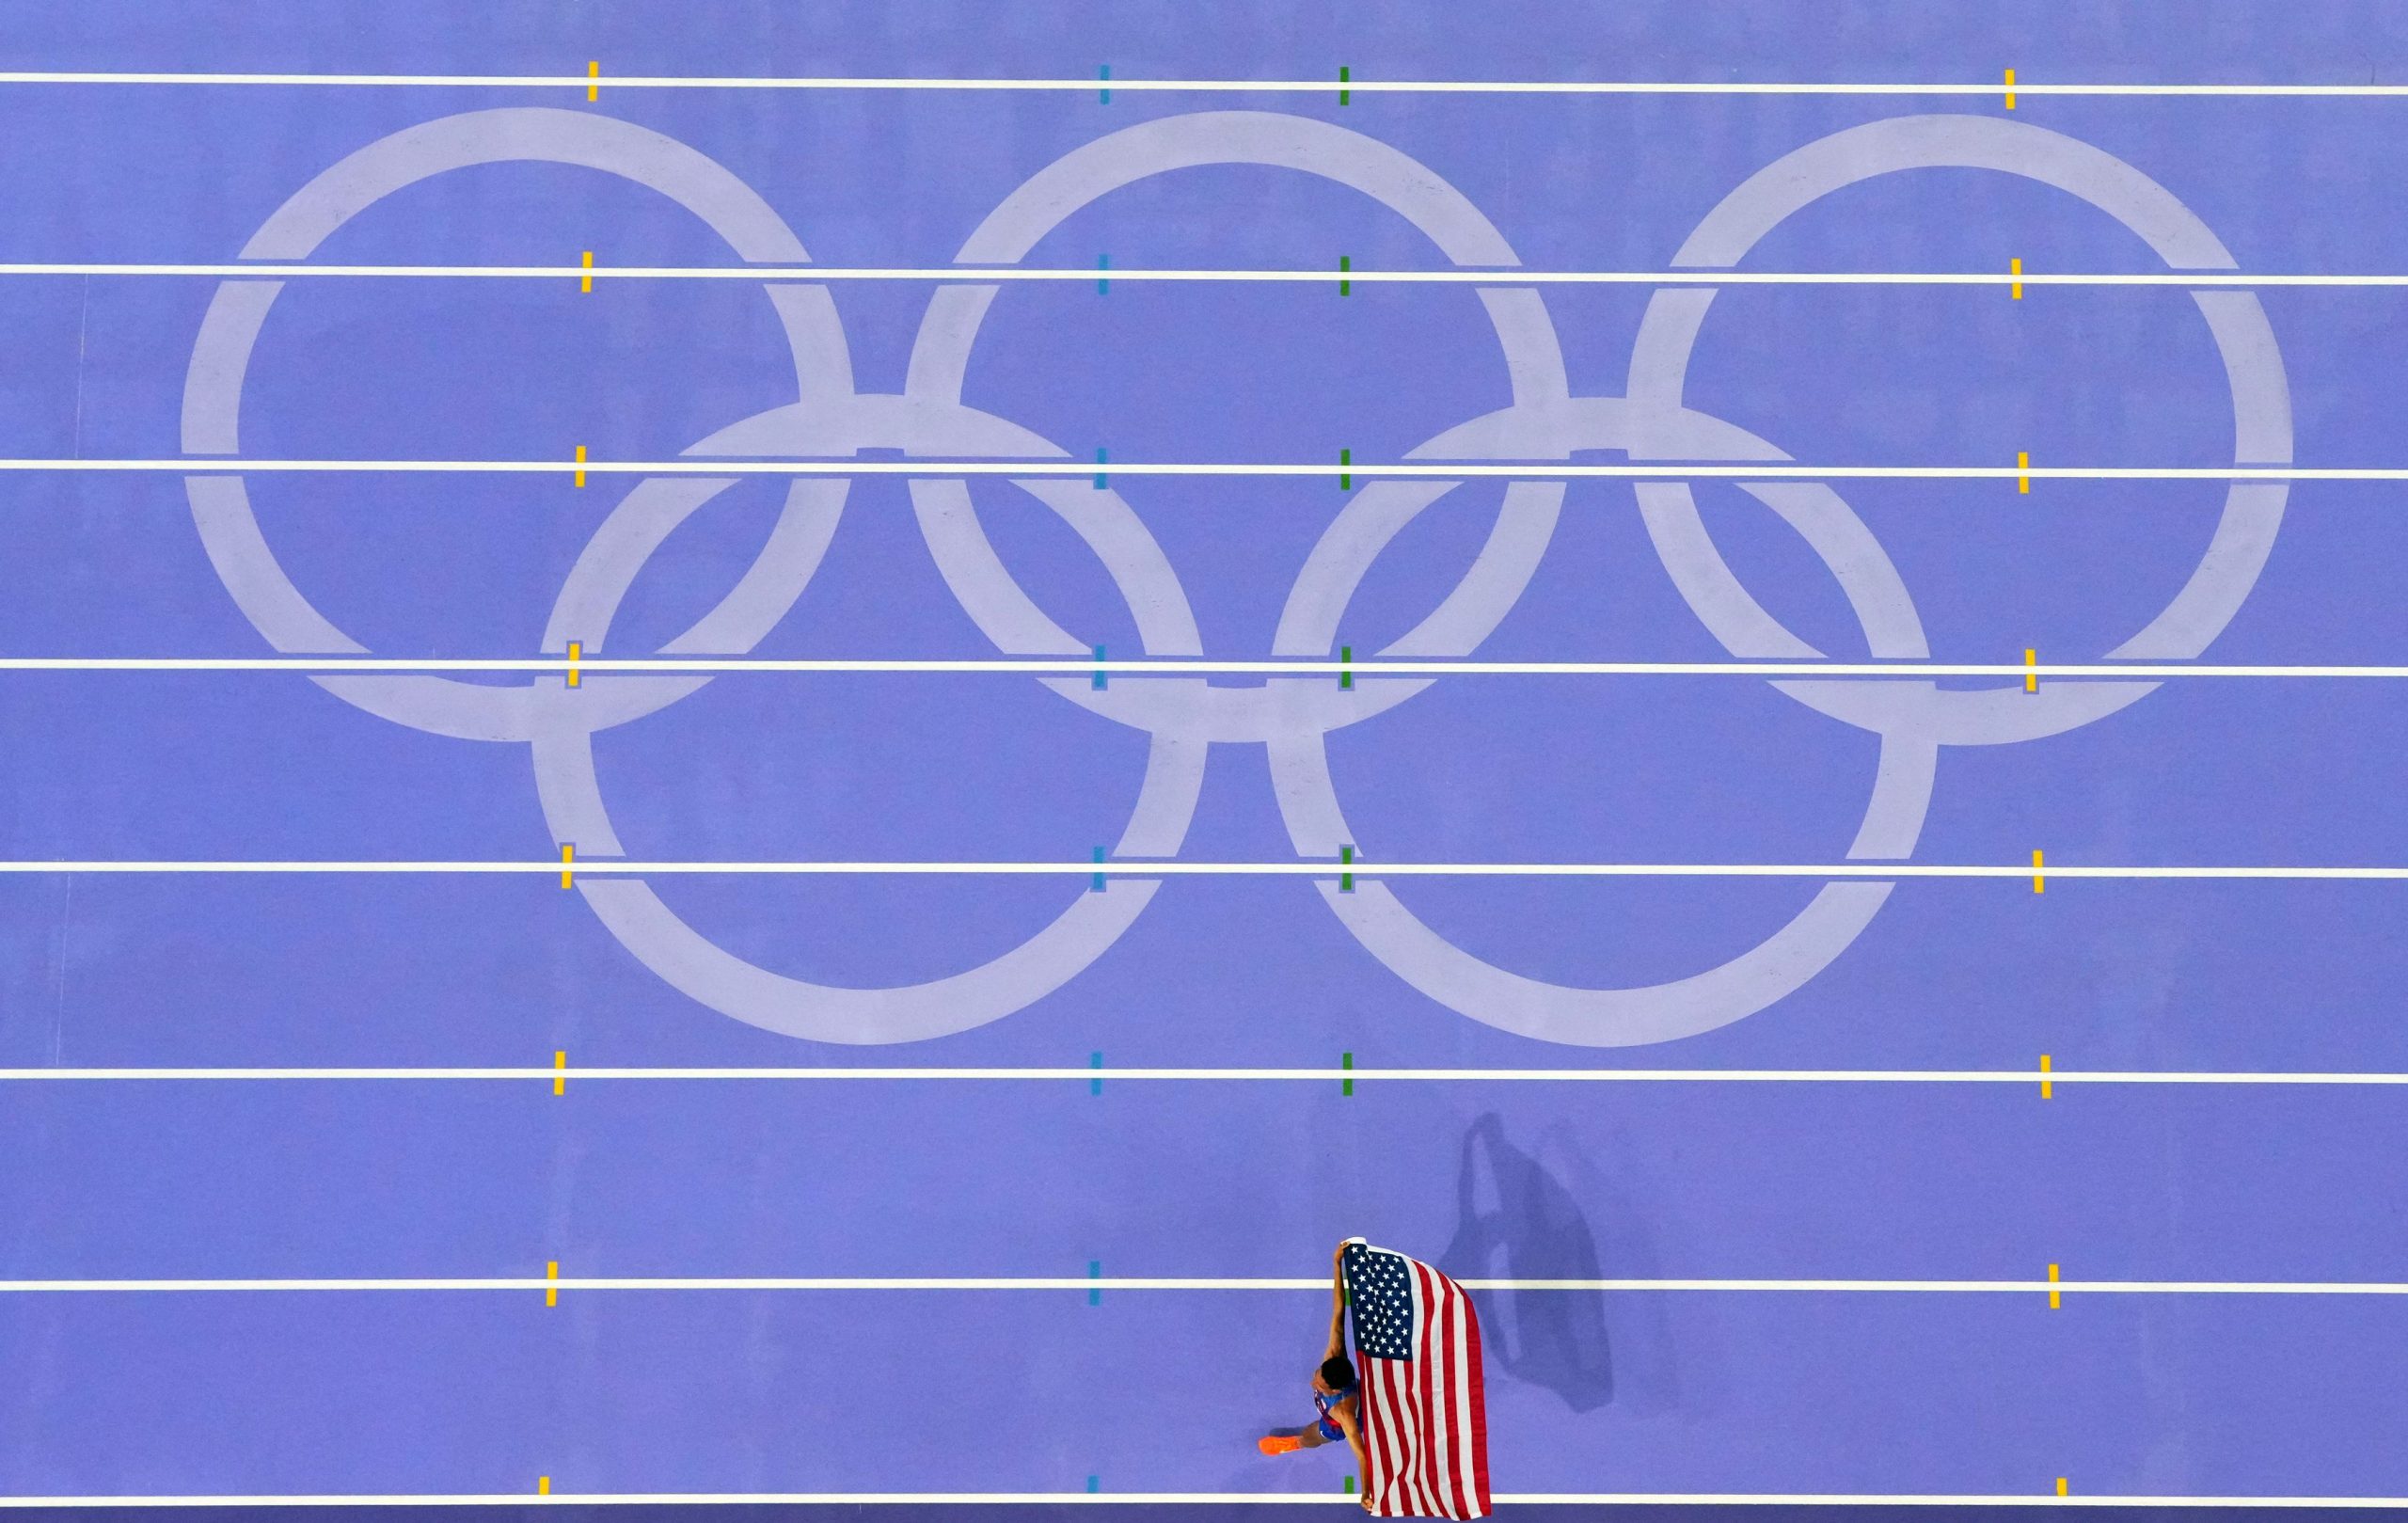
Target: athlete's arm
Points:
(1336, 1303)
(1344, 1413)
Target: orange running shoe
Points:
(1278, 1444)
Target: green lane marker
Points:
(1100, 474)
(1096, 886)
(1345, 263)
(1103, 72)
(1350, 1485)
(1095, 1060)
(1344, 74)
(1095, 1292)
(1345, 478)
(1346, 881)
(1346, 1060)
(1346, 657)
(1100, 680)
(1102, 286)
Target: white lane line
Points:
(1483, 276)
(1217, 86)
(1050, 1498)
(1084, 1282)
(1539, 469)
(1267, 1075)
(607, 866)
(1072, 666)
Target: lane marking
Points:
(1346, 1066)
(2045, 1080)
(2053, 1304)
(551, 1283)
(568, 860)
(2015, 272)
(2040, 884)
(975, 275)
(559, 1072)
(576, 653)
(543, 1485)
(593, 75)
(1346, 469)
(860, 1498)
(2010, 89)
(2023, 466)
(1343, 667)
(1345, 79)
(1345, 286)
(2061, 1485)
(2031, 669)
(580, 465)
(1096, 1072)
(1096, 1282)
(1217, 86)
(628, 867)
(585, 281)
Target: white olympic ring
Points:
(1290, 717)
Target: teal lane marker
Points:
(1344, 75)
(1345, 263)
(1099, 678)
(1095, 1060)
(1103, 72)
(1345, 480)
(1099, 474)
(1346, 657)
(1095, 1292)
(1345, 881)
(1346, 1060)
(1102, 286)
(1095, 1484)
(1096, 885)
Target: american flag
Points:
(1416, 1344)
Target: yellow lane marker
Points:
(2061, 1485)
(577, 653)
(559, 1072)
(544, 1485)
(581, 466)
(2040, 884)
(2044, 1080)
(568, 858)
(552, 1293)
(2014, 267)
(585, 282)
(2053, 1304)
(2022, 463)
(2010, 89)
(2031, 678)
(593, 71)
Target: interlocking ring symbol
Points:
(1183, 717)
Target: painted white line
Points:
(1994, 1076)
(1541, 470)
(1214, 86)
(1181, 1284)
(1485, 276)
(1053, 1499)
(607, 866)
(1070, 666)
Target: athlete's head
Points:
(1337, 1373)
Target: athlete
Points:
(1336, 1394)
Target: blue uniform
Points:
(1327, 1406)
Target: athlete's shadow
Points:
(1515, 1221)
